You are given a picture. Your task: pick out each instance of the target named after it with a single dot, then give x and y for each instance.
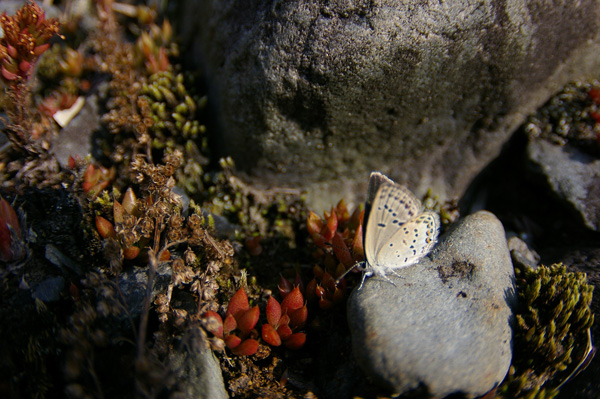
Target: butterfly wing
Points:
(375, 181)
(392, 207)
(410, 242)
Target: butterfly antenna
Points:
(358, 264)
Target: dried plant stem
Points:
(152, 266)
(141, 338)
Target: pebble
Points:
(443, 327)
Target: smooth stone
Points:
(444, 325)
(426, 91)
(571, 174)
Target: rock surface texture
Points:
(571, 174)
(307, 92)
(444, 327)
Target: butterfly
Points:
(397, 234)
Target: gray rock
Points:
(521, 253)
(133, 283)
(49, 290)
(445, 325)
(426, 92)
(75, 139)
(571, 174)
(198, 372)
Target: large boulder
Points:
(310, 91)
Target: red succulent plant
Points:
(26, 37)
(338, 237)
(96, 179)
(284, 318)
(237, 330)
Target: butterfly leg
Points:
(367, 273)
(383, 275)
(396, 274)
(386, 278)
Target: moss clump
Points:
(172, 109)
(551, 332)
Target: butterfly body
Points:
(397, 234)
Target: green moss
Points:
(551, 326)
(173, 110)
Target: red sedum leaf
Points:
(331, 227)
(9, 215)
(295, 341)
(284, 331)
(311, 289)
(341, 211)
(314, 224)
(232, 341)
(298, 317)
(285, 319)
(8, 75)
(328, 282)
(358, 250)
(247, 320)
(294, 300)
(285, 287)
(270, 335)
(273, 312)
(238, 303)
(105, 228)
(39, 50)
(131, 252)
(246, 348)
(341, 251)
(229, 324)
